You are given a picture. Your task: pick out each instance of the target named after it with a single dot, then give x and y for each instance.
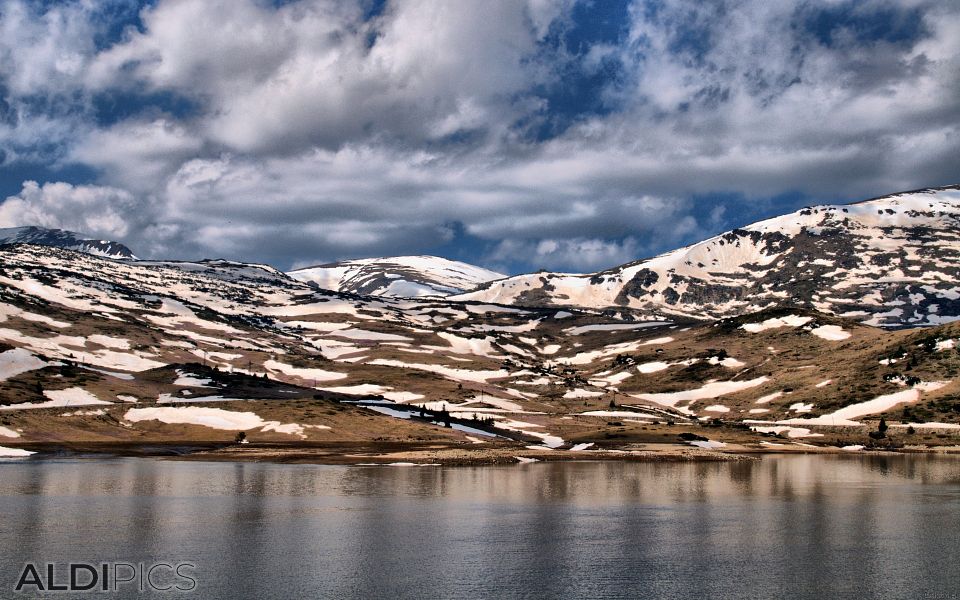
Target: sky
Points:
(518, 135)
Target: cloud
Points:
(577, 254)
(328, 207)
(136, 154)
(311, 131)
(315, 74)
(322, 205)
(45, 51)
(99, 211)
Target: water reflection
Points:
(806, 527)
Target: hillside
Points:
(100, 351)
(891, 261)
(397, 276)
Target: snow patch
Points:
(792, 432)
(775, 323)
(449, 372)
(833, 333)
(613, 327)
(17, 361)
(14, 452)
(363, 389)
(613, 413)
(930, 425)
(188, 380)
(7, 432)
(109, 342)
(74, 396)
(710, 390)
(708, 444)
(306, 374)
(214, 418)
(572, 394)
(549, 441)
(942, 345)
(845, 415)
(768, 398)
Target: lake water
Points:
(782, 527)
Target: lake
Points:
(781, 527)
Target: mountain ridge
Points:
(62, 238)
(889, 261)
(866, 259)
(100, 351)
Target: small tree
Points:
(882, 427)
(240, 438)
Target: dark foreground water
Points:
(783, 527)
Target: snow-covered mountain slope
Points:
(61, 238)
(225, 270)
(890, 261)
(397, 276)
(105, 350)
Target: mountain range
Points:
(890, 261)
(769, 330)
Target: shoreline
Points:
(432, 453)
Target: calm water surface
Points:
(782, 527)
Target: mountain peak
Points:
(61, 238)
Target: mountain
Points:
(890, 261)
(61, 238)
(100, 351)
(397, 276)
